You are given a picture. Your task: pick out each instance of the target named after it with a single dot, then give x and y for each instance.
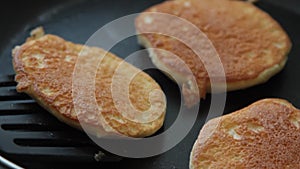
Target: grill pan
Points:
(32, 138)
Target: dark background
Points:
(66, 19)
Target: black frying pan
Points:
(76, 21)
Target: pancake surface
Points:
(251, 45)
(44, 68)
(265, 134)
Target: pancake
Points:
(251, 45)
(45, 65)
(265, 134)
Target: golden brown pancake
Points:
(44, 67)
(265, 134)
(252, 46)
